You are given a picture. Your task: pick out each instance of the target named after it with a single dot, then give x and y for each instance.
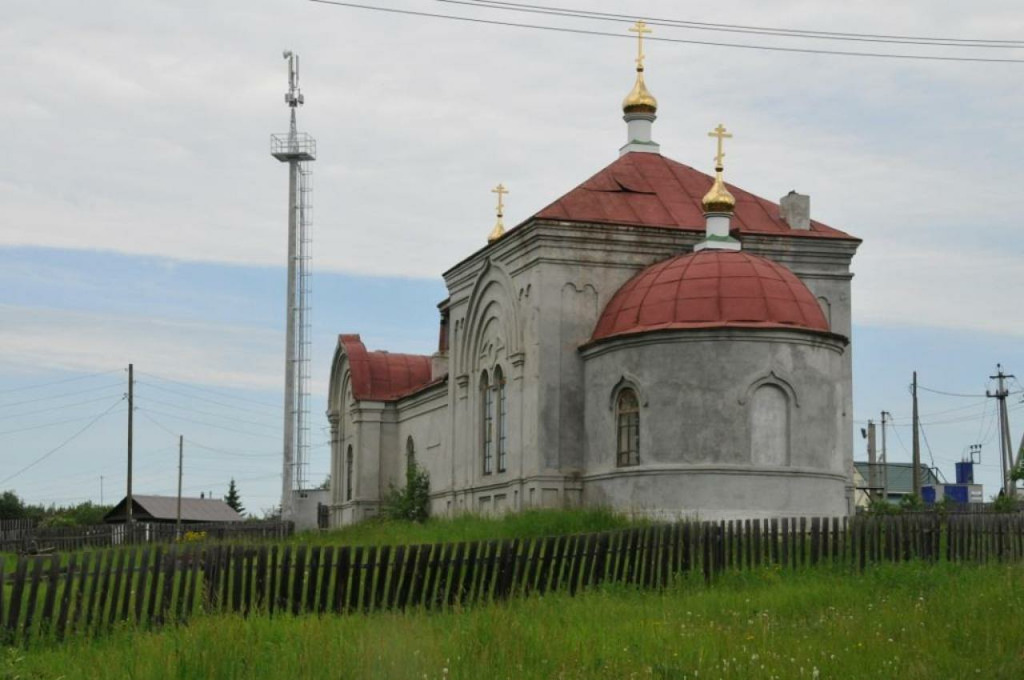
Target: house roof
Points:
(650, 190)
(711, 289)
(166, 508)
(383, 376)
(899, 476)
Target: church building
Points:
(655, 341)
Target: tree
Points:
(11, 506)
(233, 499)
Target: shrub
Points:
(880, 506)
(412, 502)
(1004, 503)
(911, 502)
(193, 537)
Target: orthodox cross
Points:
(501, 191)
(721, 134)
(640, 28)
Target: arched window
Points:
(487, 423)
(410, 455)
(627, 419)
(769, 426)
(499, 385)
(348, 473)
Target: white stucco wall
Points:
(527, 303)
(700, 396)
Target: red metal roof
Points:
(383, 376)
(711, 289)
(647, 189)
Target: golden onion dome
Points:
(639, 99)
(718, 199)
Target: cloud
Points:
(143, 129)
(926, 286)
(204, 353)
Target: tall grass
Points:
(907, 621)
(468, 527)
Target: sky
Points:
(143, 220)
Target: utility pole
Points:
(101, 489)
(1005, 446)
(885, 459)
(131, 408)
(181, 448)
(872, 463)
(917, 445)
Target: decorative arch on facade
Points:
(770, 401)
(826, 309)
(627, 381)
(772, 378)
(769, 426)
(492, 315)
(339, 403)
(340, 382)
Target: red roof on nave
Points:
(383, 376)
(711, 289)
(647, 189)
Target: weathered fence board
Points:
(45, 598)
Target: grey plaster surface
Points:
(528, 303)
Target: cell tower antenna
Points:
(297, 149)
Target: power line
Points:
(207, 413)
(580, 31)
(45, 425)
(58, 382)
(60, 396)
(145, 413)
(931, 456)
(983, 403)
(207, 390)
(60, 446)
(739, 28)
(202, 422)
(950, 394)
(206, 399)
(982, 421)
(227, 452)
(903, 446)
(54, 408)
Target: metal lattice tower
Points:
(297, 149)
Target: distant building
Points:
(164, 510)
(896, 480)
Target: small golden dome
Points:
(718, 199)
(640, 99)
(496, 233)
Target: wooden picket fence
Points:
(31, 538)
(87, 593)
(13, 528)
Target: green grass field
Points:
(468, 527)
(908, 621)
